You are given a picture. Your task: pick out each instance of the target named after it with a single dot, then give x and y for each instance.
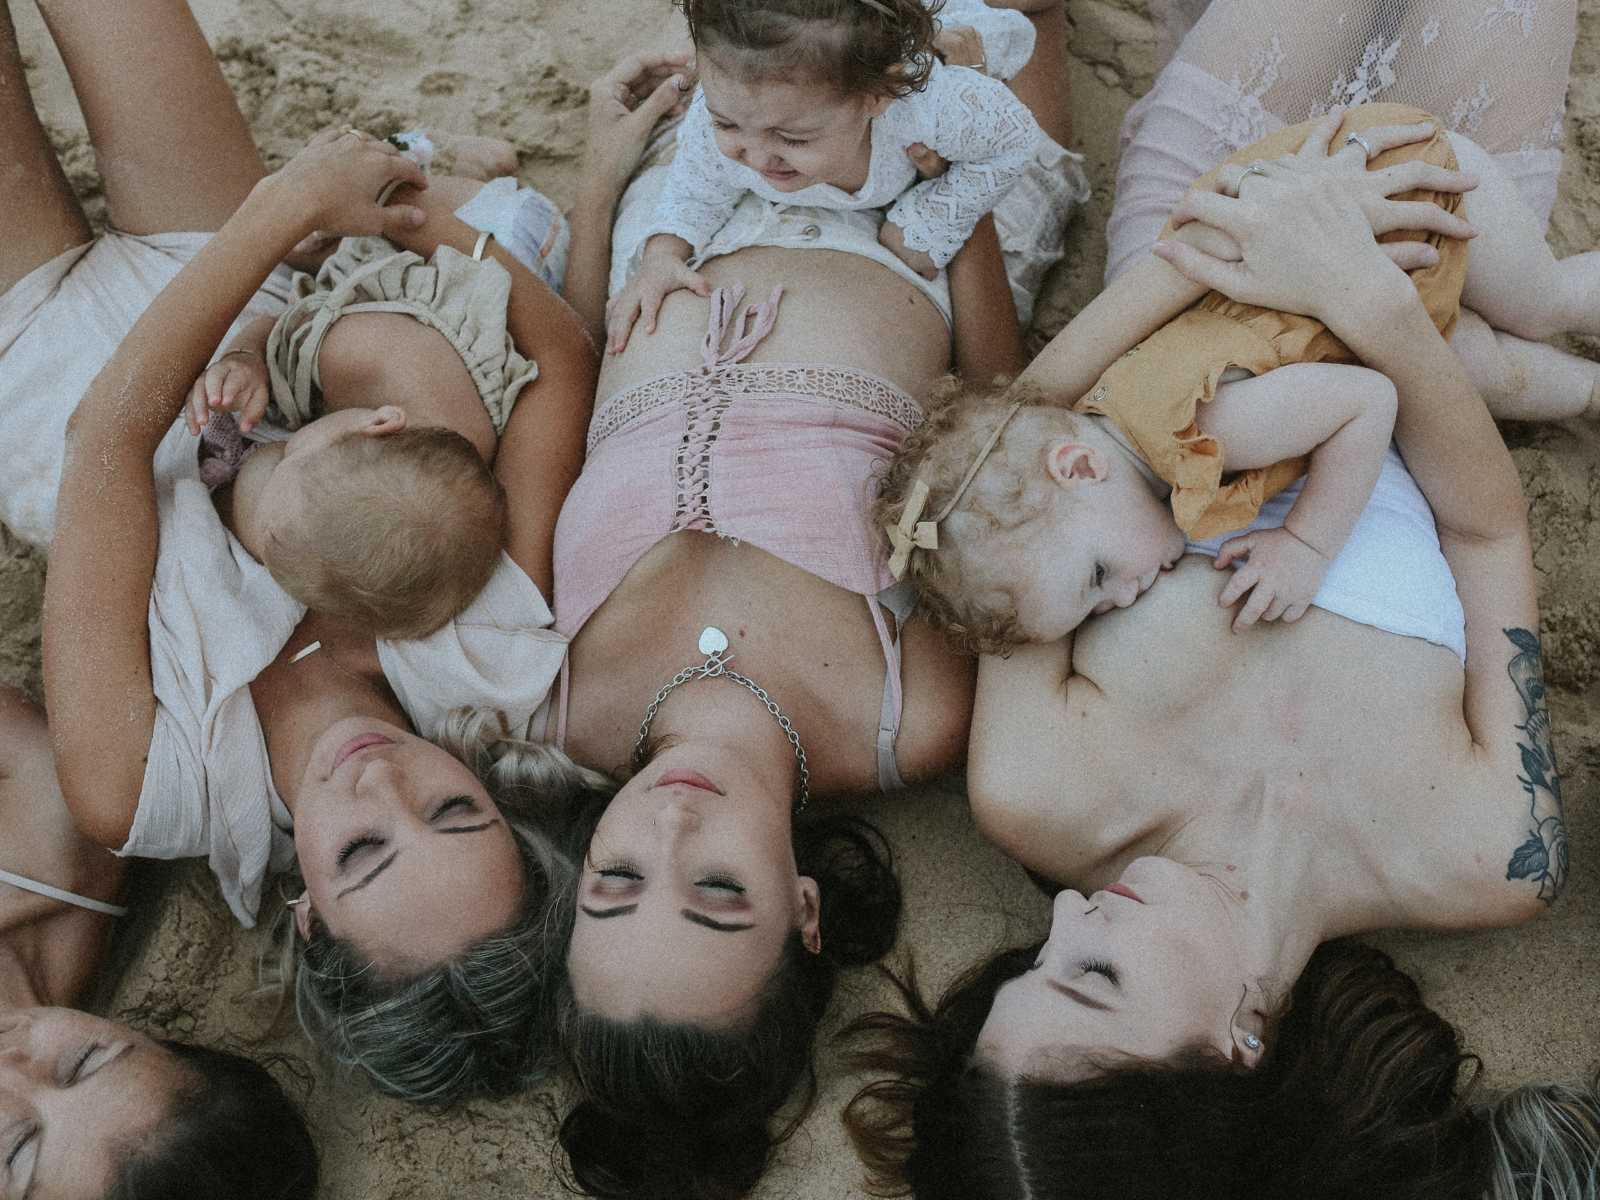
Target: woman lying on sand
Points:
(1223, 807)
(90, 1108)
(191, 715)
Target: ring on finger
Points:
(1355, 139)
(1256, 168)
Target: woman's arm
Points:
(541, 450)
(1306, 247)
(102, 559)
(987, 338)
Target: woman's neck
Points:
(297, 701)
(727, 721)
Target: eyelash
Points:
(451, 805)
(359, 843)
(625, 870)
(22, 1144)
(787, 141)
(721, 882)
(1095, 966)
(77, 1067)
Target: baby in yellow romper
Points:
(1018, 519)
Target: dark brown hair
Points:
(1360, 1093)
(679, 1112)
(232, 1133)
(875, 47)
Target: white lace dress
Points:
(986, 133)
(1495, 70)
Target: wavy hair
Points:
(679, 1112)
(858, 47)
(1547, 1142)
(478, 1024)
(1362, 1091)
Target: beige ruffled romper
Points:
(1153, 391)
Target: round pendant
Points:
(712, 641)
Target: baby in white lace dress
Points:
(817, 102)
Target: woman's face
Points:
(75, 1092)
(1148, 967)
(688, 893)
(402, 851)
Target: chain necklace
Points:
(713, 642)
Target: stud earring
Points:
(1252, 1042)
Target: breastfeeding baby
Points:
(823, 103)
(1019, 517)
(350, 441)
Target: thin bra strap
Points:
(899, 600)
(66, 897)
(749, 326)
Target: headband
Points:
(909, 533)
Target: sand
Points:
(518, 69)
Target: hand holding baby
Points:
(1281, 576)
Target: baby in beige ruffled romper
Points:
(373, 407)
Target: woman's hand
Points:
(625, 105)
(1304, 225)
(339, 183)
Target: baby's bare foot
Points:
(474, 157)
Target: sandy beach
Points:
(1525, 1000)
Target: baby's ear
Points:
(384, 421)
(1070, 463)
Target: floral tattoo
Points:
(1543, 857)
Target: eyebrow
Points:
(1072, 993)
(600, 914)
(689, 914)
(371, 875)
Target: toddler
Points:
(816, 102)
(392, 378)
(1018, 520)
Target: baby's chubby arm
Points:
(1343, 416)
(986, 134)
(698, 199)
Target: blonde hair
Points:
(1546, 1140)
(961, 591)
(396, 534)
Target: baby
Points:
(393, 379)
(816, 102)
(1018, 520)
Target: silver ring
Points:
(1256, 168)
(1358, 140)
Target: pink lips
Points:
(1122, 889)
(679, 776)
(358, 743)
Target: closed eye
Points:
(354, 846)
(789, 141)
(1095, 966)
(721, 883)
(451, 805)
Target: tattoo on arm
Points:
(1543, 857)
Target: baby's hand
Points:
(892, 236)
(659, 276)
(1282, 576)
(961, 46)
(237, 383)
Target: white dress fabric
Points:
(977, 123)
